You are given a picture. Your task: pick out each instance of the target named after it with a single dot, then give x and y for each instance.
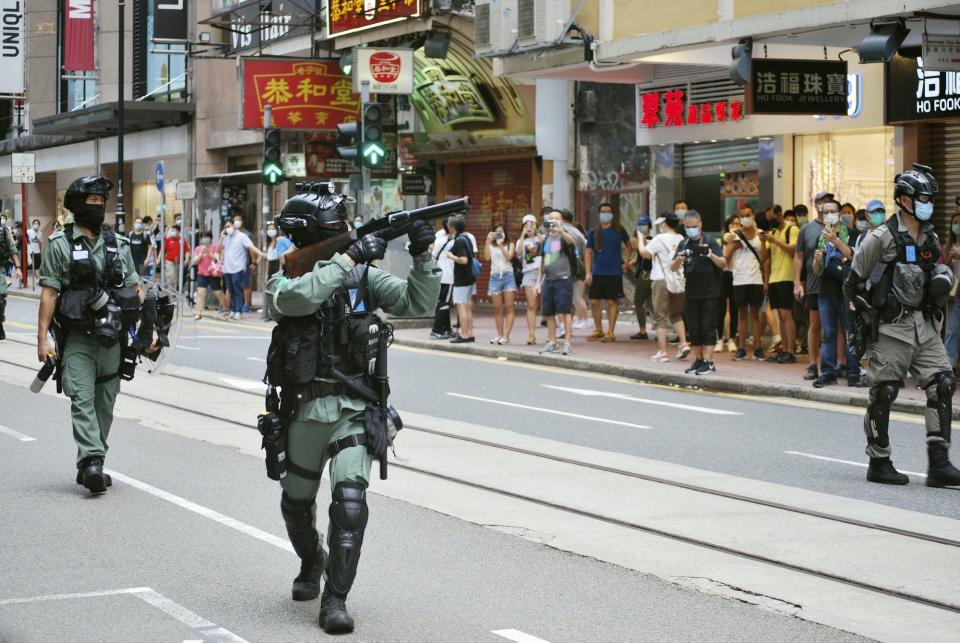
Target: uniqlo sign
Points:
(78, 36)
(668, 109)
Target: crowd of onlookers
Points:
(768, 287)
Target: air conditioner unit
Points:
(496, 25)
(540, 22)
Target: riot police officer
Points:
(8, 255)
(90, 297)
(325, 325)
(900, 291)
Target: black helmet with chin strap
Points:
(78, 191)
(316, 212)
(915, 182)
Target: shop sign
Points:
(322, 158)
(941, 52)
(348, 16)
(186, 190)
(251, 28)
(854, 96)
(302, 94)
(450, 99)
(14, 46)
(389, 71)
(916, 93)
(417, 183)
(78, 36)
(170, 21)
(295, 165)
(798, 87)
(669, 110)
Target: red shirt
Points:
(171, 248)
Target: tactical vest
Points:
(5, 256)
(343, 334)
(901, 284)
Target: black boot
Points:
(348, 519)
(881, 470)
(334, 617)
(106, 477)
(3, 315)
(93, 477)
(941, 473)
(299, 520)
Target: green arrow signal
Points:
(374, 153)
(272, 173)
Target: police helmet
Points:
(915, 182)
(81, 188)
(316, 212)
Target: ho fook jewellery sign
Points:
(914, 92)
(13, 45)
(389, 71)
(798, 87)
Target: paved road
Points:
(149, 561)
(807, 445)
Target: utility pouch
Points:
(274, 444)
(294, 352)
(909, 281)
(129, 303)
(364, 343)
(73, 311)
(128, 363)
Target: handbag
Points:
(475, 266)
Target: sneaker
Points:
(759, 354)
(731, 346)
(697, 363)
(245, 309)
(659, 356)
(824, 380)
(786, 358)
(567, 349)
(812, 373)
(706, 368)
(581, 324)
(595, 335)
(550, 347)
(438, 336)
(639, 336)
(503, 341)
(740, 355)
(719, 347)
(608, 338)
(462, 340)
(495, 340)
(683, 351)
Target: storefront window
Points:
(856, 166)
(82, 93)
(159, 76)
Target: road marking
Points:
(235, 324)
(621, 396)
(257, 359)
(226, 337)
(186, 348)
(215, 516)
(23, 325)
(16, 434)
(200, 625)
(249, 385)
(552, 411)
(518, 636)
(850, 462)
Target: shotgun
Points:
(390, 226)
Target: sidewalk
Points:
(631, 359)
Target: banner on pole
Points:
(170, 21)
(78, 36)
(14, 50)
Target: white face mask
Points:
(831, 219)
(138, 227)
(238, 224)
(36, 226)
(746, 222)
(271, 233)
(228, 231)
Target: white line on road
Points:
(850, 462)
(210, 631)
(250, 385)
(16, 434)
(215, 516)
(552, 411)
(265, 337)
(187, 348)
(621, 396)
(518, 636)
(257, 359)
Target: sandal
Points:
(531, 340)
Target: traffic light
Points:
(350, 133)
(372, 150)
(272, 172)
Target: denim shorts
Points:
(504, 282)
(530, 278)
(464, 294)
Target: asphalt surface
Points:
(160, 572)
(803, 444)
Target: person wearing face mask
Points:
(643, 291)
(33, 246)
(174, 249)
(900, 315)
(604, 262)
(237, 249)
(703, 264)
(806, 283)
(951, 256)
(848, 213)
(209, 264)
(831, 261)
(749, 256)
(667, 304)
(139, 245)
(275, 243)
(781, 242)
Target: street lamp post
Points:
(119, 214)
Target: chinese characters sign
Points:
(669, 109)
(915, 93)
(798, 86)
(389, 71)
(303, 94)
(452, 99)
(347, 16)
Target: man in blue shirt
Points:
(605, 267)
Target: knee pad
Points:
(946, 385)
(348, 518)
(348, 511)
(886, 393)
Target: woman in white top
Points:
(441, 245)
(33, 246)
(502, 287)
(666, 312)
(749, 255)
(528, 249)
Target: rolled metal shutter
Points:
(712, 158)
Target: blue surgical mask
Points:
(643, 229)
(847, 219)
(878, 218)
(956, 229)
(693, 233)
(923, 211)
(606, 217)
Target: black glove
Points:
(368, 248)
(421, 235)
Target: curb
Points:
(675, 380)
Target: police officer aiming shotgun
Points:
(91, 299)
(327, 377)
(899, 291)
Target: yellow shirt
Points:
(781, 263)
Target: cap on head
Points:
(80, 189)
(915, 182)
(822, 196)
(644, 220)
(874, 205)
(314, 213)
(529, 218)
